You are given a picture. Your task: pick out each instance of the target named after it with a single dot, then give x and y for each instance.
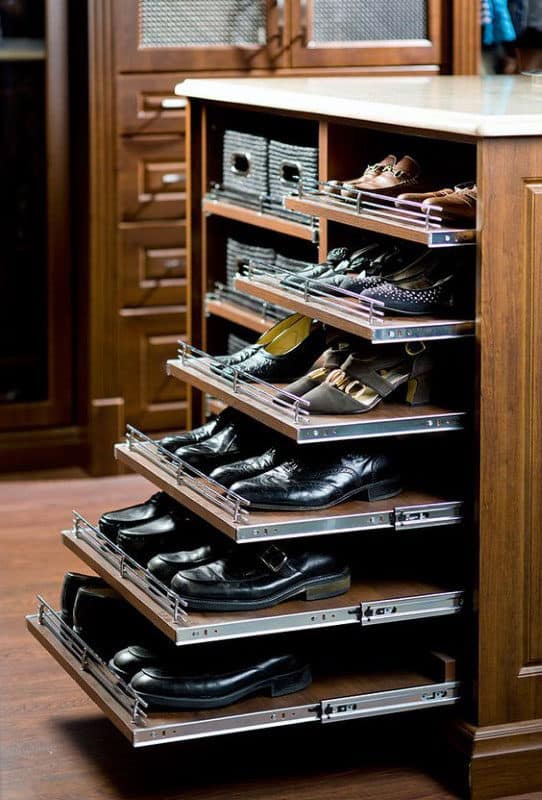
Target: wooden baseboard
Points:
(43, 448)
(502, 760)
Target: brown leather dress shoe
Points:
(419, 197)
(459, 205)
(391, 180)
(334, 187)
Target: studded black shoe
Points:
(417, 297)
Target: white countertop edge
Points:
(468, 124)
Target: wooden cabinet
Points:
(272, 34)
(148, 337)
(148, 104)
(152, 257)
(36, 351)
(152, 177)
(201, 35)
(137, 130)
(353, 33)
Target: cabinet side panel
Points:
(510, 337)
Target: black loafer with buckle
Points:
(260, 580)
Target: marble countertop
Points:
(507, 105)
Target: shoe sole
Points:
(278, 686)
(380, 490)
(314, 589)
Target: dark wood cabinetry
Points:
(350, 34)
(202, 35)
(148, 337)
(136, 241)
(36, 384)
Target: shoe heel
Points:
(419, 389)
(331, 588)
(294, 682)
(382, 490)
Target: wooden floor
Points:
(57, 746)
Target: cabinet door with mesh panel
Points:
(156, 35)
(371, 33)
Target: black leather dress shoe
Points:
(73, 581)
(249, 467)
(156, 506)
(175, 687)
(322, 479)
(252, 580)
(197, 549)
(198, 435)
(130, 660)
(108, 623)
(334, 258)
(239, 439)
(166, 534)
(278, 364)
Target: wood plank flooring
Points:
(55, 745)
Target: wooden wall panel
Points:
(510, 337)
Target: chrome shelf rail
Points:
(369, 310)
(91, 662)
(428, 220)
(184, 474)
(129, 569)
(263, 205)
(242, 383)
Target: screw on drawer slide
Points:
(389, 702)
(409, 608)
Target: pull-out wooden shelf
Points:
(234, 312)
(431, 236)
(240, 213)
(387, 419)
(409, 510)
(367, 603)
(341, 314)
(329, 698)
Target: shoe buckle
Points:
(274, 558)
(415, 348)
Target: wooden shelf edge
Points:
(251, 217)
(239, 315)
(393, 329)
(437, 237)
(388, 419)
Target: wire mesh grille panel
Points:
(368, 20)
(186, 23)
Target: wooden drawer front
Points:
(154, 401)
(152, 177)
(148, 104)
(153, 263)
